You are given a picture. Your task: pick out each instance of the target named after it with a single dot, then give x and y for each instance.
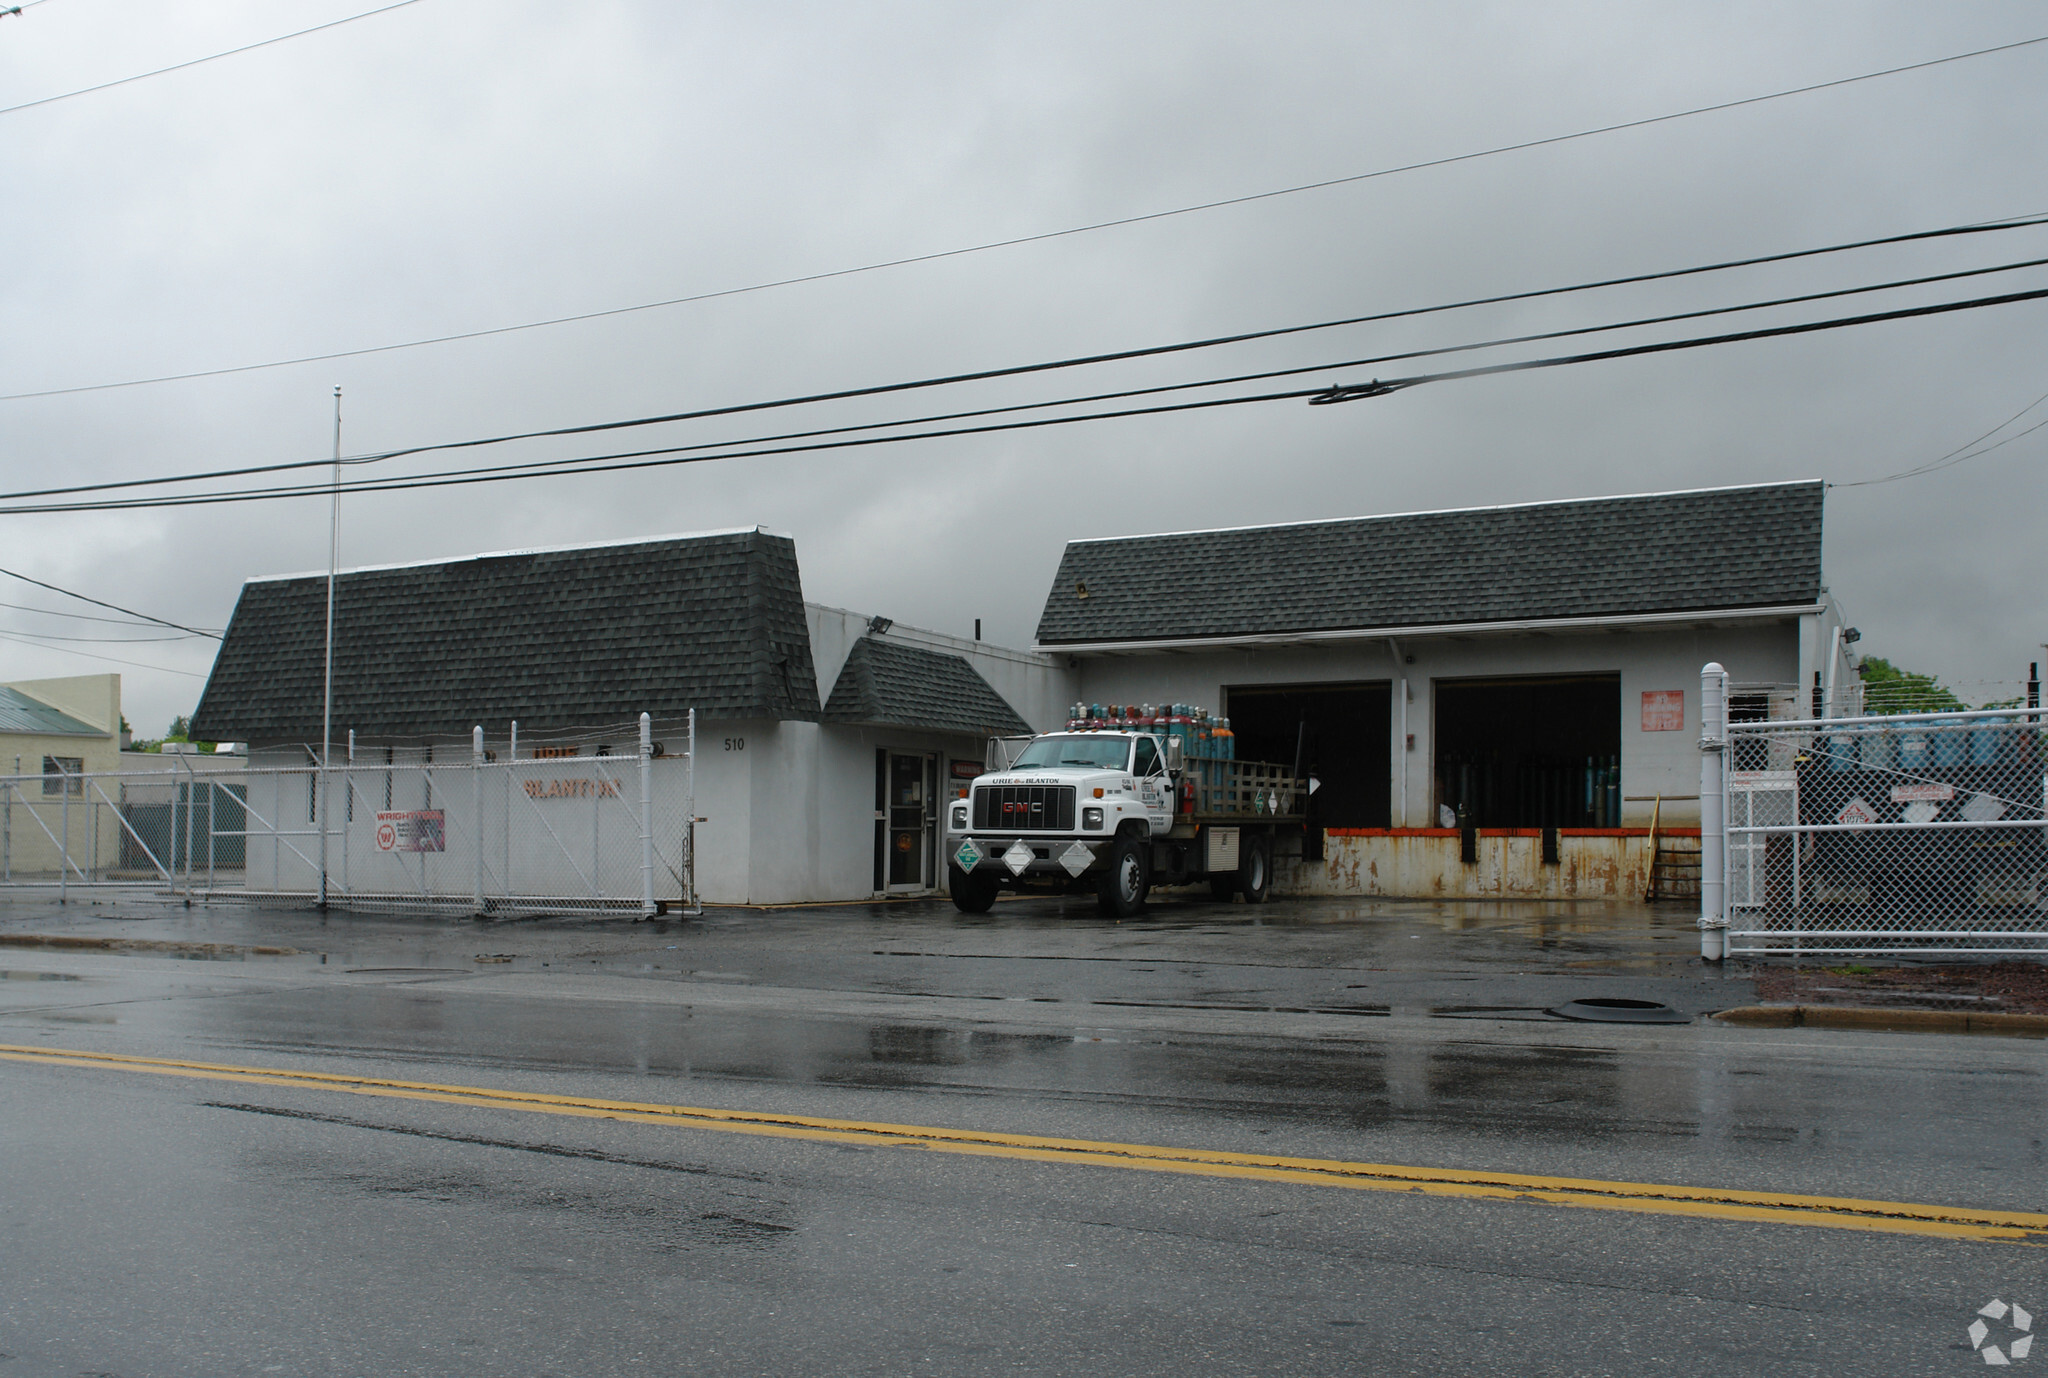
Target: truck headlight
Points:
(959, 818)
(1092, 819)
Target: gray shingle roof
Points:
(20, 713)
(552, 638)
(1722, 548)
(887, 682)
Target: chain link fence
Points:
(560, 833)
(1899, 834)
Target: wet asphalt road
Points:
(209, 1225)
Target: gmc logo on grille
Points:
(1018, 806)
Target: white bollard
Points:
(1713, 922)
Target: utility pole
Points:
(327, 702)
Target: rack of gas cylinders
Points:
(1213, 782)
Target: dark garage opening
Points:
(1530, 752)
(1343, 731)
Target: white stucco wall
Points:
(1038, 686)
(1646, 659)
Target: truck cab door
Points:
(1155, 787)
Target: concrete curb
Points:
(63, 942)
(1896, 1021)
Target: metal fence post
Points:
(64, 845)
(691, 905)
(348, 804)
(1713, 922)
(476, 804)
(646, 816)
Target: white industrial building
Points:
(1528, 675)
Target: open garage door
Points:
(1344, 735)
(1535, 751)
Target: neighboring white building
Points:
(53, 734)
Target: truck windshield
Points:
(1104, 753)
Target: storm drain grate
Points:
(1611, 1010)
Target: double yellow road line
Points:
(1842, 1213)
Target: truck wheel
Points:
(1123, 886)
(1222, 887)
(973, 892)
(1255, 869)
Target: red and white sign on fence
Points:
(417, 830)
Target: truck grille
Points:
(1002, 808)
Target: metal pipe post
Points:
(690, 902)
(327, 695)
(1713, 922)
(64, 845)
(348, 804)
(646, 816)
(476, 806)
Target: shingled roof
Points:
(1712, 550)
(891, 684)
(552, 638)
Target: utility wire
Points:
(197, 61)
(74, 616)
(1013, 242)
(1122, 394)
(1124, 355)
(110, 607)
(1376, 388)
(1958, 455)
(93, 655)
(670, 456)
(102, 640)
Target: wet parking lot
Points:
(462, 1193)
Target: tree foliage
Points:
(1889, 688)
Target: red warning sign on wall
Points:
(1664, 710)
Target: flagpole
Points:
(327, 700)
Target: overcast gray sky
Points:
(456, 165)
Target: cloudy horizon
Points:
(447, 167)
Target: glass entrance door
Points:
(908, 834)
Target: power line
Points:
(110, 607)
(74, 616)
(991, 245)
(197, 61)
(1125, 355)
(1958, 455)
(102, 640)
(111, 660)
(671, 455)
(1376, 388)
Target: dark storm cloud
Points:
(456, 166)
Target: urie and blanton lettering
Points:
(572, 789)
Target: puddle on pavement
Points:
(36, 976)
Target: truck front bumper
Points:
(1061, 857)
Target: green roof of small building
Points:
(20, 713)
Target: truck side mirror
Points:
(992, 759)
(1173, 754)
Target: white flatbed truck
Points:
(1116, 812)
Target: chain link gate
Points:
(1904, 834)
(572, 833)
